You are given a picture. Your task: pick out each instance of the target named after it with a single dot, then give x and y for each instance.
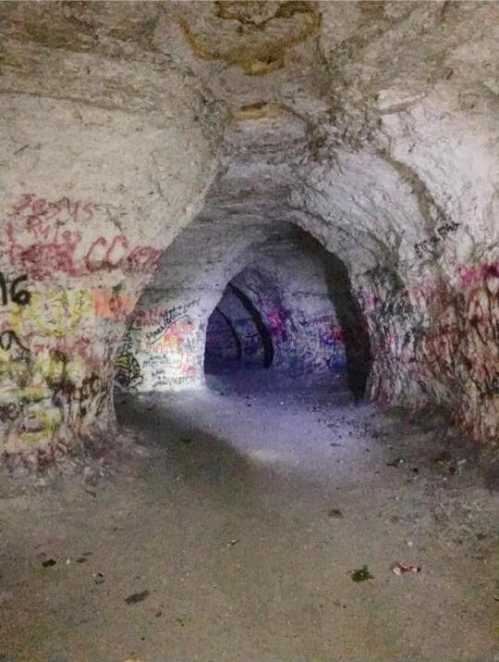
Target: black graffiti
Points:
(127, 369)
(21, 297)
(431, 245)
(169, 317)
(8, 339)
(9, 412)
(128, 373)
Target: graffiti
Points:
(9, 339)
(488, 273)
(442, 347)
(111, 305)
(431, 245)
(174, 353)
(38, 211)
(128, 374)
(173, 314)
(9, 412)
(38, 239)
(104, 255)
(176, 338)
(161, 317)
(91, 395)
(331, 335)
(77, 402)
(21, 297)
(178, 347)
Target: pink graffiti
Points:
(38, 241)
(332, 335)
(176, 338)
(108, 255)
(36, 212)
(277, 323)
(474, 275)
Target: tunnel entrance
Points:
(236, 335)
(292, 311)
(279, 309)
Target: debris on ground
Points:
(395, 463)
(336, 513)
(233, 542)
(442, 458)
(401, 568)
(362, 574)
(136, 597)
(49, 563)
(99, 578)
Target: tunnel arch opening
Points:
(236, 334)
(279, 301)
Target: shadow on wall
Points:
(256, 318)
(352, 321)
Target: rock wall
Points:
(91, 192)
(372, 126)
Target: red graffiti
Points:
(104, 255)
(43, 260)
(37, 211)
(38, 241)
(475, 275)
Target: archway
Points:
(236, 334)
(283, 303)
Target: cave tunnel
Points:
(270, 313)
(249, 346)
(307, 329)
(236, 335)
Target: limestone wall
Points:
(372, 126)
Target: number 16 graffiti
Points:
(21, 297)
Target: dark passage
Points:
(293, 310)
(237, 336)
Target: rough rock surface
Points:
(371, 125)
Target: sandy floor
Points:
(234, 531)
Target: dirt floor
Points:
(234, 531)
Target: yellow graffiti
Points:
(44, 359)
(59, 314)
(40, 424)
